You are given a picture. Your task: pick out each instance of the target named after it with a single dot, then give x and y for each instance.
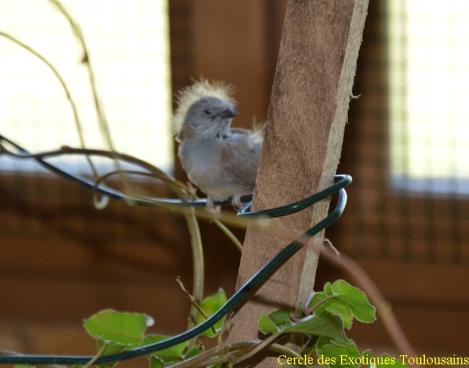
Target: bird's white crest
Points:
(203, 88)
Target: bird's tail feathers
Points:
(258, 128)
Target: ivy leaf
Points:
(324, 324)
(193, 351)
(328, 289)
(209, 306)
(344, 301)
(121, 328)
(109, 348)
(274, 322)
(326, 347)
(355, 299)
(318, 302)
(321, 302)
(173, 353)
(342, 311)
(24, 366)
(156, 362)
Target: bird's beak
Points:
(229, 112)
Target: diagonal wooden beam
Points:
(307, 115)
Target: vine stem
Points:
(86, 60)
(222, 354)
(229, 234)
(174, 185)
(61, 80)
(202, 358)
(103, 124)
(383, 308)
(342, 261)
(259, 347)
(98, 354)
(197, 259)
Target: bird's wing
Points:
(240, 158)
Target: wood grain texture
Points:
(307, 116)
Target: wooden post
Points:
(307, 115)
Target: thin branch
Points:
(174, 185)
(61, 80)
(198, 261)
(259, 347)
(282, 349)
(364, 281)
(191, 298)
(98, 354)
(229, 234)
(193, 301)
(203, 357)
(86, 60)
(103, 124)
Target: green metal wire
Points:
(239, 298)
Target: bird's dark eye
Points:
(207, 112)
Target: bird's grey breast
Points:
(200, 159)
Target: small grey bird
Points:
(221, 161)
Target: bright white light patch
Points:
(129, 47)
(429, 79)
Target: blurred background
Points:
(406, 146)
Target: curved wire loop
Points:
(238, 299)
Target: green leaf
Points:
(334, 355)
(266, 325)
(173, 353)
(355, 299)
(156, 363)
(324, 324)
(193, 351)
(344, 301)
(320, 302)
(209, 306)
(274, 322)
(317, 302)
(24, 366)
(328, 289)
(342, 311)
(110, 348)
(121, 328)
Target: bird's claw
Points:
(211, 207)
(236, 200)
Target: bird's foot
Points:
(211, 207)
(236, 200)
(192, 191)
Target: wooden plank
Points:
(307, 116)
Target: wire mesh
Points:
(396, 214)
